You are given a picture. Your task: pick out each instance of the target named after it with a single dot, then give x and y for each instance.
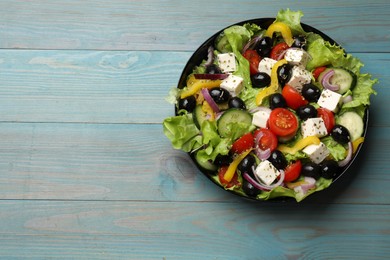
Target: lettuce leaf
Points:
(292, 19)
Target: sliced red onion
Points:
(281, 55)
(210, 100)
(326, 81)
(349, 156)
(309, 184)
(251, 43)
(260, 153)
(257, 109)
(210, 56)
(261, 186)
(347, 99)
(211, 76)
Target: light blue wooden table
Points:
(86, 172)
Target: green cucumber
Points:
(232, 115)
(353, 122)
(343, 78)
(199, 116)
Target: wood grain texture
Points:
(174, 25)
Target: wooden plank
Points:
(172, 25)
(136, 162)
(185, 230)
(114, 87)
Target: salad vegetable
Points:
(272, 112)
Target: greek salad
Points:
(272, 112)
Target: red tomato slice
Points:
(292, 171)
(277, 52)
(283, 122)
(254, 59)
(328, 118)
(317, 71)
(293, 98)
(243, 143)
(268, 140)
(225, 183)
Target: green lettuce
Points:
(292, 19)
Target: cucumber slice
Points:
(205, 165)
(232, 115)
(343, 78)
(353, 122)
(198, 116)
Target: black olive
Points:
(311, 92)
(249, 189)
(246, 165)
(311, 169)
(329, 169)
(260, 80)
(340, 134)
(299, 42)
(284, 73)
(236, 102)
(278, 160)
(277, 100)
(306, 111)
(222, 160)
(213, 69)
(264, 46)
(187, 103)
(219, 95)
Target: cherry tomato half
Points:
(292, 171)
(243, 143)
(328, 118)
(317, 71)
(268, 139)
(225, 183)
(283, 122)
(277, 52)
(254, 59)
(293, 98)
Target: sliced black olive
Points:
(311, 169)
(329, 169)
(278, 160)
(340, 134)
(260, 80)
(219, 95)
(213, 69)
(264, 46)
(249, 189)
(277, 100)
(187, 103)
(311, 92)
(246, 165)
(306, 111)
(284, 73)
(299, 42)
(236, 102)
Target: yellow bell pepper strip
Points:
(356, 143)
(299, 145)
(233, 165)
(194, 85)
(273, 86)
(208, 110)
(283, 29)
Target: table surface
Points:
(87, 173)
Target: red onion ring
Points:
(210, 56)
(251, 43)
(210, 100)
(309, 184)
(347, 99)
(349, 156)
(261, 154)
(211, 76)
(326, 81)
(259, 185)
(257, 109)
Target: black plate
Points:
(201, 53)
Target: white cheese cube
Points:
(316, 153)
(297, 56)
(227, 62)
(299, 77)
(233, 84)
(266, 172)
(260, 118)
(266, 64)
(314, 127)
(329, 100)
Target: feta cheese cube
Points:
(227, 62)
(329, 100)
(299, 77)
(297, 56)
(316, 153)
(266, 64)
(233, 84)
(266, 172)
(314, 127)
(260, 118)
